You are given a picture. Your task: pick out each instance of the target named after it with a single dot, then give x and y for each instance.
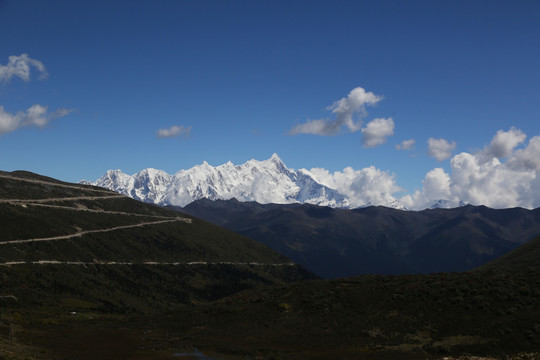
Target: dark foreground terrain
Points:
(493, 311)
(150, 291)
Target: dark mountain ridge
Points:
(340, 243)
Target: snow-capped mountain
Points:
(268, 181)
(445, 204)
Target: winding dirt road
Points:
(98, 211)
(85, 232)
(106, 194)
(75, 198)
(98, 262)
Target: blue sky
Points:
(236, 77)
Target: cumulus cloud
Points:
(490, 183)
(406, 145)
(510, 181)
(440, 149)
(376, 132)
(20, 66)
(36, 115)
(527, 158)
(436, 186)
(483, 178)
(344, 109)
(503, 143)
(174, 131)
(363, 187)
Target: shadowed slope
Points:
(339, 243)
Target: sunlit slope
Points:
(62, 240)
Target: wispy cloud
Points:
(344, 109)
(440, 149)
(174, 131)
(20, 66)
(376, 132)
(406, 145)
(36, 115)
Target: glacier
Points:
(267, 181)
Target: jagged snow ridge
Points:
(268, 181)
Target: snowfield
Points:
(268, 181)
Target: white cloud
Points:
(376, 132)
(490, 183)
(366, 186)
(174, 131)
(436, 186)
(36, 115)
(527, 158)
(440, 149)
(484, 179)
(471, 178)
(8, 122)
(344, 109)
(503, 143)
(406, 145)
(20, 66)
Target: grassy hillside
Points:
(492, 311)
(61, 240)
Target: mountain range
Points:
(335, 243)
(268, 181)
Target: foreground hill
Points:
(61, 241)
(340, 243)
(491, 311)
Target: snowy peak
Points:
(267, 181)
(275, 159)
(445, 204)
(114, 180)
